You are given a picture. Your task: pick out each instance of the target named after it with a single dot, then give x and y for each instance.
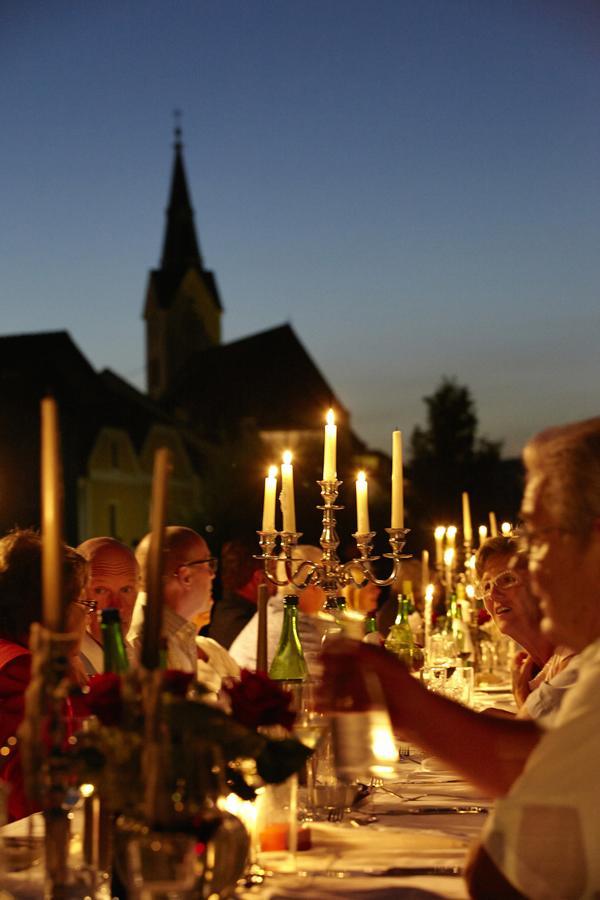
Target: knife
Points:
(392, 872)
(433, 810)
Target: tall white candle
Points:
(428, 612)
(482, 534)
(449, 564)
(362, 504)
(451, 536)
(438, 534)
(329, 451)
(397, 481)
(466, 510)
(424, 571)
(493, 525)
(53, 607)
(268, 522)
(288, 507)
(153, 611)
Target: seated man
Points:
(542, 839)
(542, 673)
(310, 631)
(113, 582)
(188, 574)
(241, 575)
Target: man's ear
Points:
(185, 575)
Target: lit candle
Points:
(506, 528)
(493, 525)
(268, 522)
(466, 509)
(261, 641)
(288, 508)
(449, 563)
(329, 453)
(150, 655)
(438, 534)
(362, 504)
(424, 571)
(428, 612)
(482, 534)
(397, 481)
(53, 607)
(451, 536)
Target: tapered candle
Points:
(451, 536)
(329, 451)
(261, 641)
(466, 510)
(288, 507)
(449, 563)
(493, 525)
(438, 534)
(362, 504)
(482, 534)
(153, 613)
(397, 481)
(424, 571)
(53, 605)
(268, 522)
(428, 613)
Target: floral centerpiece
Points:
(160, 756)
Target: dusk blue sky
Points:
(413, 185)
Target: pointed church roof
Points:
(180, 246)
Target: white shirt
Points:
(544, 836)
(550, 687)
(243, 649)
(182, 647)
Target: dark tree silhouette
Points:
(448, 457)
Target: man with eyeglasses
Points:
(542, 673)
(542, 840)
(113, 582)
(188, 573)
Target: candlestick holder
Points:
(330, 574)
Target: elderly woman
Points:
(20, 606)
(540, 675)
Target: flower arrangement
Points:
(137, 736)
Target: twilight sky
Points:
(413, 184)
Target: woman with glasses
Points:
(540, 675)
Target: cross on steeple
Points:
(177, 119)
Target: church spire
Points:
(180, 246)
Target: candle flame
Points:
(330, 417)
(506, 528)
(362, 476)
(439, 532)
(449, 556)
(429, 591)
(483, 532)
(272, 471)
(470, 591)
(287, 457)
(451, 532)
(86, 790)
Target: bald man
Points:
(188, 573)
(113, 582)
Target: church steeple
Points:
(180, 246)
(183, 307)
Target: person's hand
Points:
(523, 670)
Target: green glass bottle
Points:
(289, 663)
(400, 640)
(371, 622)
(115, 655)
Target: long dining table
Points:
(410, 838)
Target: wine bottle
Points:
(115, 655)
(400, 640)
(289, 663)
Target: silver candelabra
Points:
(330, 573)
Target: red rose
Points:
(104, 698)
(483, 616)
(176, 682)
(257, 700)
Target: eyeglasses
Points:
(503, 581)
(89, 605)
(531, 539)
(211, 561)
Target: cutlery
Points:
(392, 872)
(434, 810)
